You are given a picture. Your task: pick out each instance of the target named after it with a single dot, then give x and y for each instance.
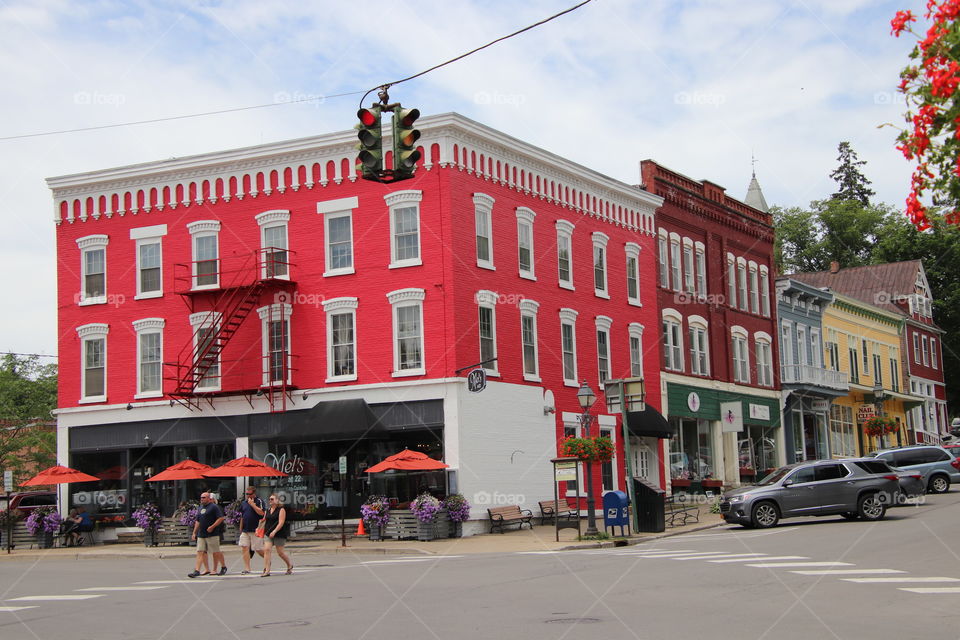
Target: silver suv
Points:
(850, 488)
(938, 466)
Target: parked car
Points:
(27, 501)
(911, 482)
(814, 488)
(938, 466)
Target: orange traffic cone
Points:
(360, 530)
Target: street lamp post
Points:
(586, 397)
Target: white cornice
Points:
(405, 295)
(88, 242)
(94, 329)
(269, 217)
(203, 226)
(148, 323)
(279, 310)
(338, 304)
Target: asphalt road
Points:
(726, 582)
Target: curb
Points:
(629, 542)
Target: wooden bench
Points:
(552, 509)
(510, 514)
(679, 512)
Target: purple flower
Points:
(375, 511)
(425, 507)
(148, 517)
(232, 513)
(45, 519)
(458, 509)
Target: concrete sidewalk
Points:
(540, 538)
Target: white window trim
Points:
(689, 262)
(600, 240)
(632, 250)
(530, 309)
(699, 322)
(565, 228)
(207, 319)
(700, 268)
(676, 263)
(743, 292)
(483, 206)
(569, 316)
(95, 242)
(280, 311)
(732, 280)
(741, 334)
(92, 331)
(268, 220)
(488, 300)
(675, 319)
(200, 229)
(402, 199)
(335, 306)
(663, 259)
(401, 298)
(934, 359)
(764, 367)
(525, 217)
(764, 291)
(143, 327)
(754, 288)
(148, 235)
(603, 323)
(339, 208)
(635, 330)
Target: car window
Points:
(803, 475)
(874, 466)
(939, 456)
(954, 451)
(906, 458)
(774, 477)
(830, 471)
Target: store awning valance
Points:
(649, 423)
(325, 421)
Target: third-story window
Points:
(701, 268)
(341, 338)
(338, 235)
(206, 253)
(93, 266)
(742, 283)
(731, 280)
(149, 260)
(764, 291)
(483, 224)
(600, 264)
(525, 218)
(632, 250)
(689, 277)
(675, 268)
(933, 353)
(404, 228)
(564, 255)
(754, 289)
(276, 263)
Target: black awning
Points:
(325, 421)
(650, 423)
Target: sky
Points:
(702, 87)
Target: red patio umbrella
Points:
(408, 460)
(59, 475)
(186, 470)
(244, 468)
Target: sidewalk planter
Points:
(376, 533)
(45, 540)
(426, 530)
(403, 525)
(680, 484)
(150, 537)
(713, 486)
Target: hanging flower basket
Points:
(598, 449)
(880, 426)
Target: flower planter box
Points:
(712, 484)
(403, 525)
(680, 483)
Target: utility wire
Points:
(489, 44)
(305, 99)
(26, 355)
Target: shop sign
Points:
(865, 412)
(693, 401)
(343, 465)
(477, 380)
(820, 405)
(294, 466)
(759, 412)
(731, 416)
(8, 480)
(564, 471)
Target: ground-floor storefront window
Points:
(757, 449)
(810, 439)
(691, 452)
(843, 439)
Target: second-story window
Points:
(487, 321)
(525, 219)
(278, 363)
(341, 338)
(894, 373)
(273, 244)
(568, 346)
(933, 352)
(407, 331)
(697, 336)
(149, 357)
(741, 357)
(764, 356)
(93, 269)
(632, 250)
(404, 228)
(600, 241)
(636, 349)
(206, 253)
(925, 351)
(206, 350)
(603, 348)
(854, 360)
(93, 345)
(564, 253)
(672, 345)
(528, 339)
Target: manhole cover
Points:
(280, 625)
(573, 621)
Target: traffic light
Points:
(405, 153)
(370, 158)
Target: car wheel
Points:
(765, 515)
(871, 507)
(849, 515)
(939, 484)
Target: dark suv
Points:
(938, 466)
(851, 488)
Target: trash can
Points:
(651, 506)
(616, 511)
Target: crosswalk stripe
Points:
(904, 579)
(930, 589)
(770, 558)
(185, 581)
(12, 609)
(670, 554)
(845, 572)
(537, 553)
(142, 588)
(776, 565)
(745, 556)
(51, 598)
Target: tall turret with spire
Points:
(754, 195)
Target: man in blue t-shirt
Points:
(251, 513)
(209, 517)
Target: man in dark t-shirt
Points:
(251, 513)
(209, 517)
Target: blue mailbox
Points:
(616, 510)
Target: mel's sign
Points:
(477, 380)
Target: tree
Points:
(853, 185)
(28, 396)
(930, 84)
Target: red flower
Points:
(899, 22)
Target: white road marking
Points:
(408, 560)
(50, 598)
(12, 609)
(845, 572)
(121, 588)
(904, 579)
(745, 556)
(931, 589)
(537, 553)
(778, 565)
(770, 558)
(187, 581)
(670, 554)
(704, 555)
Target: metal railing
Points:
(817, 376)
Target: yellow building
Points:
(864, 342)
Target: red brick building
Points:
(266, 302)
(720, 377)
